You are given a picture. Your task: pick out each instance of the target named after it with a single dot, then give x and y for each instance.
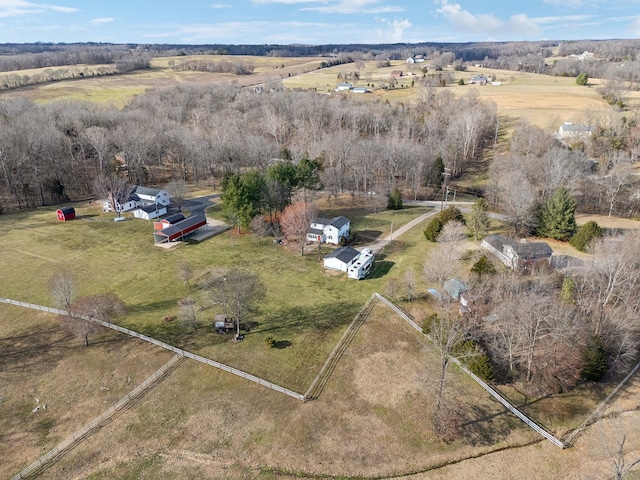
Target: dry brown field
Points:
(372, 420)
(120, 89)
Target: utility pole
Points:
(445, 191)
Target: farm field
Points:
(206, 423)
(120, 89)
(542, 100)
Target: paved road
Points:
(198, 205)
(380, 244)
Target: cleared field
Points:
(542, 100)
(120, 89)
(371, 419)
(120, 257)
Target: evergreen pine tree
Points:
(395, 200)
(558, 216)
(585, 234)
(479, 221)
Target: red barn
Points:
(66, 213)
(181, 230)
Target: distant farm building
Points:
(396, 74)
(416, 59)
(150, 212)
(359, 90)
(478, 80)
(344, 87)
(66, 213)
(167, 221)
(328, 230)
(572, 131)
(181, 230)
(517, 255)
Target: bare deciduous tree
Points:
(86, 312)
(178, 190)
(295, 222)
(236, 291)
(63, 287)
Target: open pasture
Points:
(120, 89)
(542, 100)
(372, 418)
(120, 258)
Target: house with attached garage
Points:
(517, 255)
(328, 230)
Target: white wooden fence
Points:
(176, 350)
(71, 441)
(597, 413)
(494, 393)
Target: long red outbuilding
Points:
(180, 230)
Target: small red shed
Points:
(66, 213)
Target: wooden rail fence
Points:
(98, 422)
(179, 351)
(494, 393)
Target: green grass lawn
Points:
(305, 309)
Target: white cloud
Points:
(287, 2)
(562, 19)
(220, 5)
(486, 23)
(634, 27)
(102, 20)
(242, 30)
(356, 6)
(395, 31)
(13, 8)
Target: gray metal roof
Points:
(339, 222)
(147, 191)
(344, 254)
(532, 250)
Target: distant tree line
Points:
(238, 67)
(125, 59)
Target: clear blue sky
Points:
(315, 21)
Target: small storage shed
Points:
(66, 213)
(180, 230)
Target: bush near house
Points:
(584, 235)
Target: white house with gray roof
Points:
(328, 230)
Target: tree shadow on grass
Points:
(369, 235)
(161, 307)
(282, 344)
(316, 319)
(380, 269)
